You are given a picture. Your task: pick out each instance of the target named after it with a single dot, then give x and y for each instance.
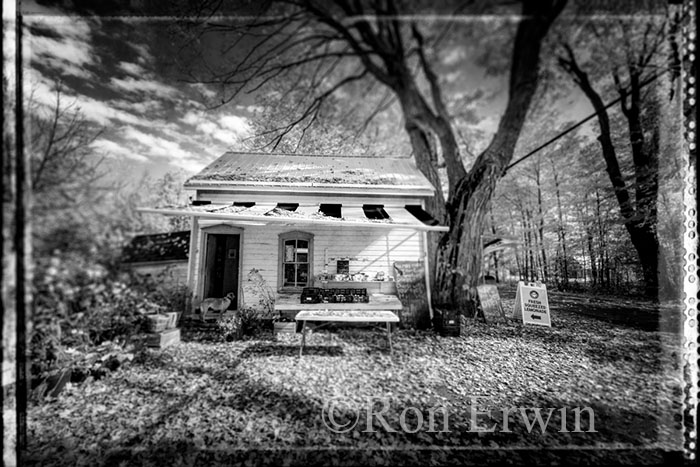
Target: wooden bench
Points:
(330, 316)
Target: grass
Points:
(256, 401)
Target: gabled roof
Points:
(169, 246)
(237, 169)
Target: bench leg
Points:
(388, 335)
(303, 337)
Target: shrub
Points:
(265, 293)
(77, 304)
(245, 322)
(161, 289)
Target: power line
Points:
(573, 127)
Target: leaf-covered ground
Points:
(256, 402)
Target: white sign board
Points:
(531, 304)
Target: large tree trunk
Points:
(460, 248)
(646, 243)
(436, 205)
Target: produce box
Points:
(157, 323)
(172, 320)
(164, 339)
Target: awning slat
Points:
(259, 209)
(307, 209)
(402, 216)
(308, 219)
(353, 213)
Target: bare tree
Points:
(638, 60)
(64, 168)
(332, 45)
(67, 177)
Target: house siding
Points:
(369, 250)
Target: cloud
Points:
(157, 147)
(145, 86)
(149, 106)
(254, 108)
(38, 89)
(204, 90)
(191, 118)
(227, 129)
(117, 151)
(104, 114)
(238, 125)
(144, 55)
(131, 68)
(63, 43)
(453, 56)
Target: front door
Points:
(221, 267)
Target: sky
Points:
(119, 71)
(110, 70)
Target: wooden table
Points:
(343, 315)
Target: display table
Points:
(338, 313)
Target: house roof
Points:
(170, 246)
(237, 169)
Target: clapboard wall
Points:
(370, 250)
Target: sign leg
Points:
(303, 337)
(388, 335)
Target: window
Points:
(296, 260)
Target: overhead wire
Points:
(578, 124)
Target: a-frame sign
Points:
(490, 302)
(531, 304)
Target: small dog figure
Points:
(215, 304)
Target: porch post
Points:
(192, 257)
(427, 275)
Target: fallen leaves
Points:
(242, 396)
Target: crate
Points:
(446, 322)
(311, 295)
(163, 339)
(157, 323)
(172, 319)
(285, 328)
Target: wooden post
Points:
(427, 275)
(388, 335)
(303, 337)
(192, 258)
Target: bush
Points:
(160, 289)
(78, 305)
(244, 323)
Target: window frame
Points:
(294, 235)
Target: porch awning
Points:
(398, 217)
